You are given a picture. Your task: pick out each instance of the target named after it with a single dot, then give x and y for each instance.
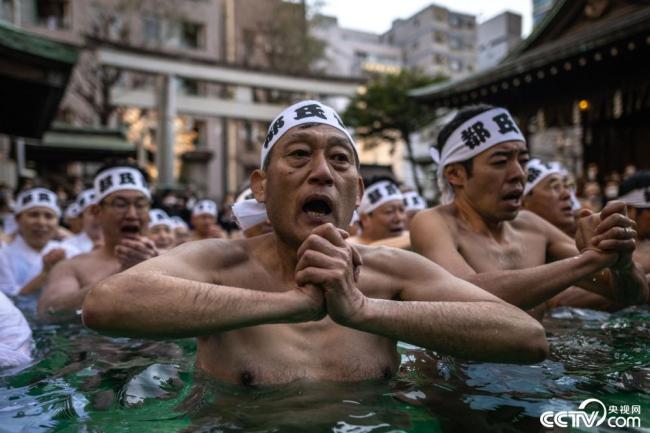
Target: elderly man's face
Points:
(386, 221)
(311, 178)
(551, 199)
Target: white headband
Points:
(298, 114)
(159, 217)
(119, 179)
(85, 199)
(538, 171)
(205, 207)
(179, 223)
(377, 194)
(414, 201)
(71, 211)
(37, 197)
(474, 136)
(639, 198)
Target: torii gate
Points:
(168, 102)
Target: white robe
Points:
(20, 263)
(80, 242)
(15, 335)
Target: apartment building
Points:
(436, 41)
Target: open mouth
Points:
(317, 207)
(130, 230)
(513, 196)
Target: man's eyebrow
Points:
(336, 140)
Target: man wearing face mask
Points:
(122, 210)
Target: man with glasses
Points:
(122, 209)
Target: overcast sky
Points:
(376, 15)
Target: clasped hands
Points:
(610, 233)
(326, 275)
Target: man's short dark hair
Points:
(463, 115)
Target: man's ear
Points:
(455, 174)
(258, 185)
(360, 190)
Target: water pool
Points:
(83, 382)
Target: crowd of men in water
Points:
(326, 274)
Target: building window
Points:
(200, 130)
(192, 35)
(6, 10)
(439, 37)
(151, 28)
(454, 21)
(53, 14)
(439, 59)
(189, 87)
(455, 43)
(440, 15)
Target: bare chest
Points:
(517, 250)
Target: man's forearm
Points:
(526, 288)
(158, 306)
(484, 331)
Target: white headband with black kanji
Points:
(37, 197)
(377, 194)
(414, 201)
(85, 199)
(474, 136)
(538, 171)
(119, 179)
(159, 217)
(203, 207)
(303, 112)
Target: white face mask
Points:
(592, 173)
(611, 191)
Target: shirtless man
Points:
(123, 212)
(481, 235)
(300, 302)
(204, 220)
(547, 194)
(382, 216)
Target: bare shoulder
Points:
(443, 217)
(396, 262)
(531, 222)
(220, 252)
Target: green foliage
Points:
(385, 107)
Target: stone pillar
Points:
(165, 137)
